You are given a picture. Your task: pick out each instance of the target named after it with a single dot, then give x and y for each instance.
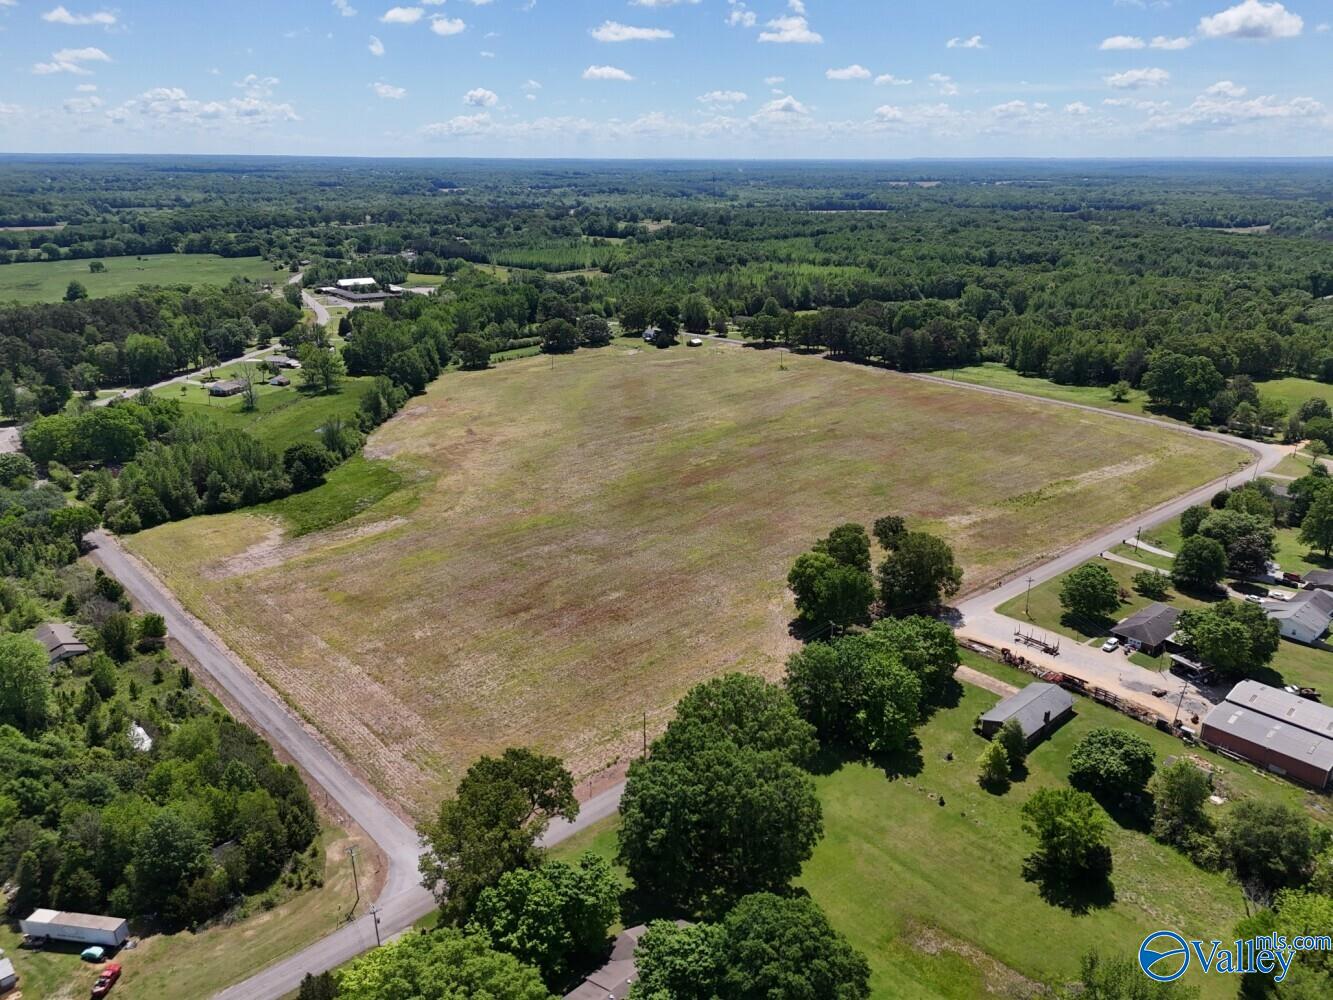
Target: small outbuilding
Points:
(8, 977)
(1040, 709)
(280, 381)
(1318, 579)
(81, 928)
(226, 387)
(60, 641)
(282, 361)
(1149, 628)
(1304, 618)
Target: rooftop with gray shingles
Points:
(1033, 707)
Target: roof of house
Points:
(6, 969)
(1318, 577)
(618, 974)
(226, 385)
(1032, 706)
(1149, 626)
(58, 635)
(92, 921)
(1284, 707)
(1256, 727)
(355, 282)
(1310, 608)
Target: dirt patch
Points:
(999, 979)
(275, 548)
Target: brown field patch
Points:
(598, 534)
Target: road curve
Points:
(402, 900)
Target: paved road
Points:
(402, 900)
(315, 306)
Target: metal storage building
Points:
(1276, 730)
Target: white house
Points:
(1304, 618)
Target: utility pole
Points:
(645, 734)
(1137, 533)
(1027, 597)
(356, 880)
(375, 916)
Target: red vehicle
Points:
(105, 980)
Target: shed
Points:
(83, 928)
(1305, 617)
(1275, 729)
(282, 361)
(1040, 708)
(280, 381)
(8, 977)
(1318, 579)
(60, 641)
(1148, 628)
(226, 387)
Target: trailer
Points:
(81, 928)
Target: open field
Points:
(591, 535)
(47, 281)
(285, 415)
(998, 376)
(1295, 391)
(933, 895)
(187, 965)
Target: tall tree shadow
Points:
(1079, 891)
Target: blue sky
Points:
(669, 78)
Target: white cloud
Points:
(1171, 44)
(257, 86)
(605, 73)
(1252, 19)
(61, 15)
(1225, 88)
(1322, 27)
(447, 25)
(8, 110)
(480, 97)
(773, 81)
(781, 109)
(388, 91)
(402, 15)
(724, 97)
(790, 30)
(1121, 42)
(81, 105)
(1134, 79)
(86, 88)
(944, 84)
(1220, 110)
(344, 8)
(614, 31)
(853, 72)
(739, 16)
(71, 61)
(973, 42)
(172, 106)
(462, 125)
(532, 85)
(1077, 108)
(376, 46)
(889, 80)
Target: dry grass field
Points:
(580, 540)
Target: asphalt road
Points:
(402, 900)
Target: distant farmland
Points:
(587, 537)
(47, 281)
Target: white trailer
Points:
(83, 928)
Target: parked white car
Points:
(1111, 645)
(696, 342)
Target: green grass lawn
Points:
(998, 376)
(285, 415)
(1295, 391)
(1305, 666)
(933, 893)
(1295, 465)
(1045, 612)
(47, 281)
(1294, 556)
(355, 486)
(1141, 555)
